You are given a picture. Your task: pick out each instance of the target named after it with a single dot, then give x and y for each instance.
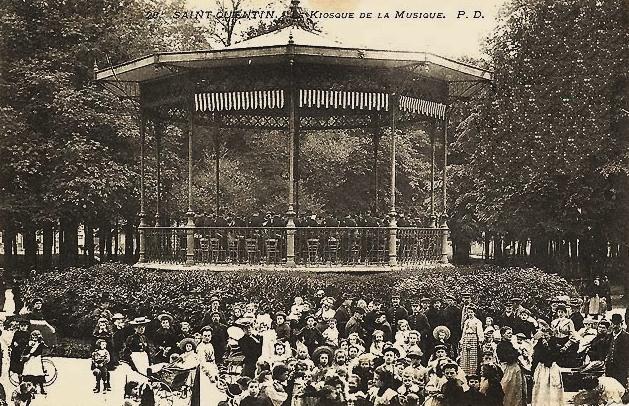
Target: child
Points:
(100, 359)
(473, 396)
(23, 394)
(33, 367)
(254, 398)
(452, 389)
(296, 309)
(331, 334)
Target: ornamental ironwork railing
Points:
(342, 245)
(165, 244)
(314, 246)
(418, 245)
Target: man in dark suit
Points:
(617, 360)
(396, 313)
(575, 315)
(343, 314)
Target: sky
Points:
(450, 36)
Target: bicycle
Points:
(50, 373)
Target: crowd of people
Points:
(321, 350)
(350, 351)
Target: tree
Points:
(545, 151)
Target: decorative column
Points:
(444, 216)
(190, 213)
(433, 216)
(157, 132)
(393, 221)
(376, 146)
(292, 137)
(142, 226)
(217, 149)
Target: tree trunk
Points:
(115, 238)
(72, 242)
(89, 243)
(101, 243)
(63, 250)
(128, 242)
(461, 251)
(30, 247)
(8, 241)
(486, 247)
(108, 242)
(47, 244)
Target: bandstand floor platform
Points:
(322, 268)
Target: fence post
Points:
(141, 230)
(393, 242)
(444, 239)
(290, 242)
(190, 239)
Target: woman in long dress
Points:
(547, 384)
(513, 383)
(205, 389)
(471, 339)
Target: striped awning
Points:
(248, 100)
(313, 98)
(420, 106)
(340, 99)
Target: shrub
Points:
(71, 295)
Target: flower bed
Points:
(71, 295)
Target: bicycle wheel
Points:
(50, 371)
(14, 378)
(163, 394)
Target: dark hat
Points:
(217, 313)
(310, 316)
(104, 297)
(605, 322)
(280, 313)
(616, 318)
(37, 299)
(391, 348)
(472, 376)
(561, 306)
(425, 299)
(206, 328)
(449, 364)
(440, 347)
(324, 349)
(359, 310)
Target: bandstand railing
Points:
(314, 246)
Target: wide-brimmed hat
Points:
(390, 348)
(235, 333)
(324, 349)
(166, 316)
(438, 329)
(117, 316)
(576, 301)
(182, 344)
(140, 321)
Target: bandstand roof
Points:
(289, 43)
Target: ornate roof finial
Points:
(95, 70)
(291, 41)
(294, 10)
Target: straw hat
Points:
(140, 321)
(182, 344)
(439, 329)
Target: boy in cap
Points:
(473, 396)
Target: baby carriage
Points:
(169, 382)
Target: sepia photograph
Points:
(314, 202)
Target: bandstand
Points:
(295, 81)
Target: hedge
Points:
(71, 295)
